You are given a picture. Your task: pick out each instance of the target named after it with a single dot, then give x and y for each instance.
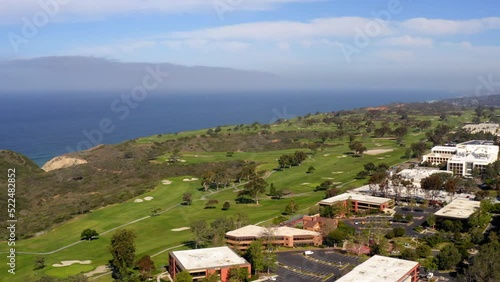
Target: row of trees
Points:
(288, 160)
(213, 233)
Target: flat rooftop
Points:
(417, 174)
(459, 208)
(259, 231)
(355, 197)
(378, 269)
(477, 142)
(208, 258)
(444, 148)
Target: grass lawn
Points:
(154, 234)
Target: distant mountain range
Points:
(90, 73)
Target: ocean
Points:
(42, 126)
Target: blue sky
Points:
(421, 44)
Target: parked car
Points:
(308, 253)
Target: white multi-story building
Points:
(464, 157)
(440, 154)
(471, 155)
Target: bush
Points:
(409, 254)
(418, 229)
(399, 231)
(398, 217)
(423, 251)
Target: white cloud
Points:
(122, 48)
(13, 10)
(206, 45)
(408, 41)
(286, 30)
(451, 27)
(284, 46)
(463, 44)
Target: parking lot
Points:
(322, 265)
(419, 217)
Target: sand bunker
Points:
(305, 183)
(98, 270)
(337, 172)
(138, 200)
(70, 262)
(378, 151)
(182, 161)
(330, 178)
(192, 179)
(381, 158)
(180, 229)
(148, 198)
(326, 155)
(166, 182)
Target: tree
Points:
(247, 171)
(448, 257)
(409, 254)
(362, 174)
(226, 206)
(311, 169)
(431, 220)
(211, 278)
(187, 199)
(254, 188)
(211, 204)
(89, 234)
(272, 190)
(292, 207)
(399, 231)
(239, 220)
(238, 275)
(201, 232)
(39, 263)
(332, 192)
(423, 251)
(418, 149)
(122, 249)
(324, 136)
(208, 179)
(357, 147)
(218, 229)
(145, 266)
(486, 264)
(369, 167)
(255, 256)
(334, 238)
(183, 276)
(450, 186)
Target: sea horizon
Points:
(32, 127)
